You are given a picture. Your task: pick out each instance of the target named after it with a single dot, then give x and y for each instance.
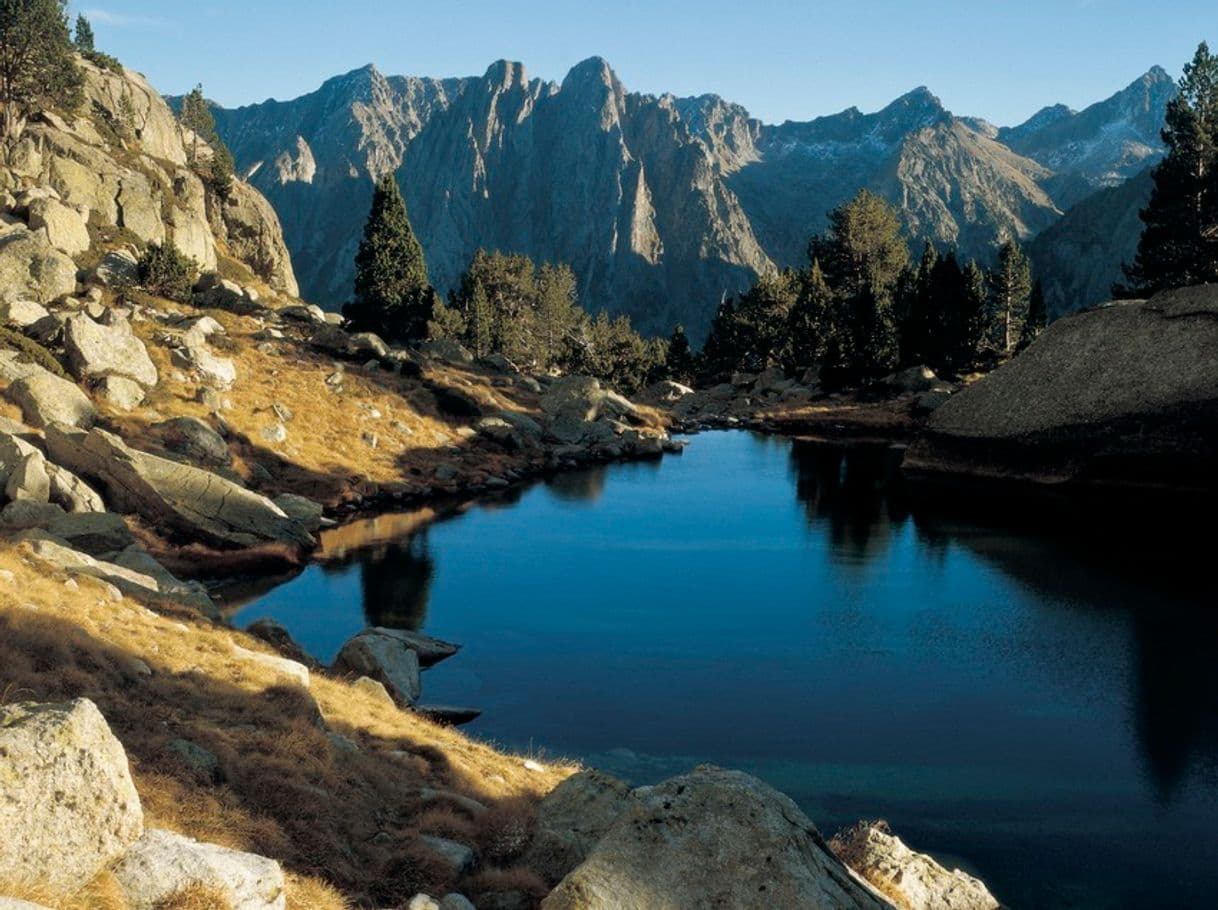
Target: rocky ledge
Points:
(1122, 396)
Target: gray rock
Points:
(193, 439)
(94, 533)
(215, 292)
(28, 479)
(70, 807)
(96, 350)
(121, 393)
(162, 864)
(202, 761)
(572, 819)
(1126, 394)
(30, 267)
(373, 688)
(45, 398)
(172, 495)
(578, 398)
(712, 838)
(22, 515)
(458, 856)
(65, 228)
(21, 314)
(385, 659)
(305, 511)
(908, 878)
(446, 350)
(430, 650)
(118, 269)
(914, 379)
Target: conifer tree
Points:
(557, 314)
(480, 322)
(679, 361)
(1010, 285)
(84, 35)
(392, 294)
(37, 68)
(196, 117)
(1179, 244)
(809, 325)
(1038, 316)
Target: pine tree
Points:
(1179, 245)
(480, 322)
(557, 314)
(37, 68)
(1038, 317)
(863, 255)
(920, 321)
(1010, 285)
(392, 294)
(196, 117)
(809, 325)
(679, 360)
(84, 35)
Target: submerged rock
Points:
(69, 807)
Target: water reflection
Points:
(396, 582)
(854, 490)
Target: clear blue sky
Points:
(782, 59)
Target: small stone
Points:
(275, 434)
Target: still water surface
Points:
(1037, 704)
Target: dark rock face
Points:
(660, 204)
(1125, 395)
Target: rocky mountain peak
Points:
(506, 74)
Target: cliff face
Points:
(660, 204)
(119, 166)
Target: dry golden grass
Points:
(103, 893)
(344, 825)
(196, 897)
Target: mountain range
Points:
(662, 204)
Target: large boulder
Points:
(175, 496)
(32, 268)
(576, 397)
(430, 650)
(68, 807)
(64, 226)
(1125, 394)
(96, 350)
(162, 865)
(45, 398)
(572, 819)
(913, 881)
(249, 226)
(712, 838)
(386, 659)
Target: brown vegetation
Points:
(345, 825)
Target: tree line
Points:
(863, 306)
(504, 304)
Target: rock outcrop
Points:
(1125, 395)
(386, 659)
(195, 502)
(911, 880)
(712, 838)
(68, 807)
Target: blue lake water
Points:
(1037, 704)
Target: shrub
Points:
(168, 272)
(31, 349)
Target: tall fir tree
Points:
(37, 67)
(919, 318)
(863, 255)
(84, 35)
(1010, 285)
(679, 361)
(557, 315)
(1038, 316)
(809, 325)
(480, 322)
(393, 296)
(1179, 244)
